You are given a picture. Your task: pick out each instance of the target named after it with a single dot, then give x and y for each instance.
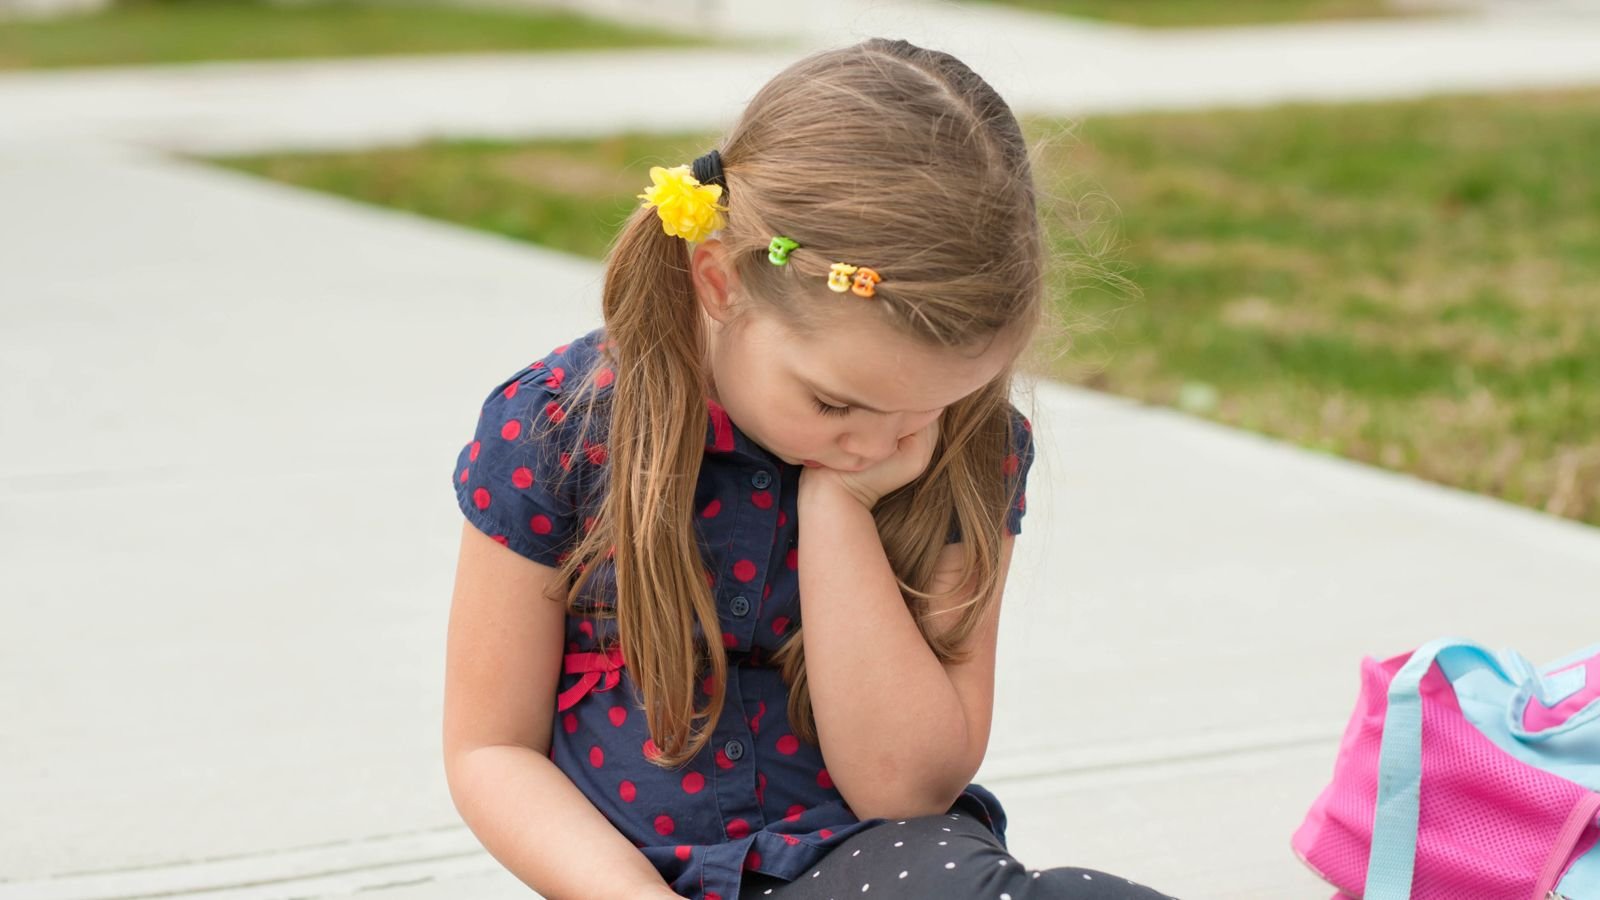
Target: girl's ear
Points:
(714, 282)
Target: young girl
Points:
(797, 411)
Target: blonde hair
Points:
(884, 154)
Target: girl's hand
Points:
(870, 485)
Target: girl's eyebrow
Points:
(842, 398)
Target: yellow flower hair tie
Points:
(688, 209)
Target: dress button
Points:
(734, 750)
(761, 479)
(740, 605)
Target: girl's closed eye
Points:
(827, 410)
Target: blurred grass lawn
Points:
(1197, 13)
(1414, 285)
(146, 32)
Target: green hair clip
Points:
(778, 250)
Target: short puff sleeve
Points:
(512, 480)
(1016, 466)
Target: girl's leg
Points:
(948, 856)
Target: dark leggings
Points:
(947, 856)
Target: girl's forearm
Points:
(888, 718)
(531, 818)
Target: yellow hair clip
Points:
(688, 209)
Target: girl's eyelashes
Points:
(827, 410)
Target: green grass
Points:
(1195, 13)
(1413, 285)
(179, 31)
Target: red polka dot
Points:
(1022, 501)
(762, 499)
(824, 780)
(713, 895)
(480, 497)
(761, 787)
(560, 349)
(627, 791)
(472, 455)
(604, 377)
(711, 510)
(554, 412)
(664, 825)
(794, 813)
(744, 570)
(792, 559)
(730, 641)
(557, 375)
(651, 751)
(738, 828)
(502, 540)
(783, 518)
(522, 477)
(596, 453)
(780, 625)
(511, 429)
(723, 762)
(693, 782)
(788, 744)
(566, 461)
(1011, 464)
(826, 833)
(618, 715)
(463, 477)
(597, 757)
(683, 852)
(587, 627)
(588, 523)
(540, 524)
(791, 840)
(570, 723)
(538, 364)
(766, 592)
(753, 861)
(707, 683)
(1026, 425)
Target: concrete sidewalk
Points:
(232, 406)
(229, 540)
(1041, 64)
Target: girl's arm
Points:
(891, 723)
(503, 662)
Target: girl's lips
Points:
(811, 463)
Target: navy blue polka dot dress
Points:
(756, 798)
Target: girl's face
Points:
(843, 400)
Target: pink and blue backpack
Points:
(1464, 774)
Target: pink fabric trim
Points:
(592, 665)
(1538, 717)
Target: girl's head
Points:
(881, 154)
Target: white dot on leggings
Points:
(942, 843)
(1004, 861)
(899, 843)
(949, 865)
(857, 853)
(902, 874)
(1086, 877)
(864, 888)
(1036, 874)
(1005, 897)
(816, 873)
(900, 823)
(767, 891)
